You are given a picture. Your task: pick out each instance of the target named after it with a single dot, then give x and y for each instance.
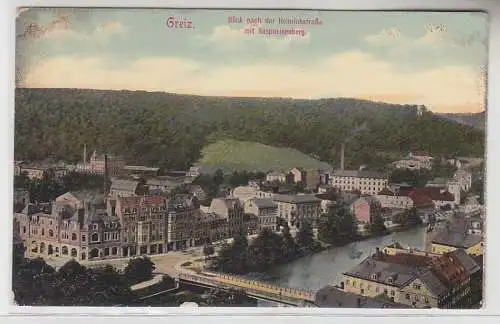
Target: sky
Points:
(437, 59)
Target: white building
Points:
(276, 176)
(415, 161)
(367, 182)
(389, 199)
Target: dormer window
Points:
(94, 226)
(374, 276)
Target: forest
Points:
(170, 130)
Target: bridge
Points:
(252, 288)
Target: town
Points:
(142, 211)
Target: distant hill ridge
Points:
(171, 130)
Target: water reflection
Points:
(316, 271)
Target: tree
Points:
(377, 226)
(139, 269)
(288, 245)
(208, 250)
(338, 225)
(305, 237)
(265, 251)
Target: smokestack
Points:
(106, 174)
(342, 149)
(84, 153)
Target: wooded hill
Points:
(170, 130)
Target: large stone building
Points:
(88, 226)
(265, 210)
(233, 210)
(415, 161)
(366, 182)
(297, 208)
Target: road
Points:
(168, 263)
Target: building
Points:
(414, 161)
(197, 191)
(18, 167)
(211, 228)
(312, 179)
(70, 229)
(367, 182)
(165, 183)
(21, 198)
(298, 174)
(336, 297)
(97, 164)
(251, 224)
(464, 178)
(231, 209)
(194, 172)
(417, 279)
(277, 176)
(448, 240)
(297, 208)
(475, 225)
(123, 188)
(139, 170)
(392, 199)
(35, 172)
(143, 221)
(265, 210)
(365, 208)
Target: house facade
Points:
(265, 210)
(366, 182)
(297, 208)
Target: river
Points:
(325, 268)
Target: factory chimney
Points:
(106, 176)
(342, 149)
(85, 153)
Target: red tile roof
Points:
(420, 198)
(448, 269)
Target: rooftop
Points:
(295, 199)
(140, 168)
(123, 184)
(359, 174)
(456, 239)
(384, 272)
(334, 297)
(264, 203)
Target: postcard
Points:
(249, 158)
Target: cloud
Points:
(60, 29)
(351, 74)
(398, 42)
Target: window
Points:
(94, 226)
(73, 237)
(362, 291)
(24, 229)
(84, 238)
(416, 286)
(392, 293)
(43, 231)
(94, 237)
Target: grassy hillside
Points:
(231, 155)
(170, 130)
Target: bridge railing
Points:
(253, 286)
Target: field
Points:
(230, 155)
